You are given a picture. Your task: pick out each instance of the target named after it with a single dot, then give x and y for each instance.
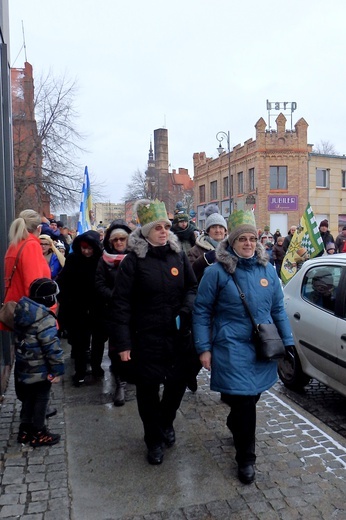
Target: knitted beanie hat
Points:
(240, 222)
(150, 213)
(44, 291)
(324, 223)
(213, 217)
(244, 228)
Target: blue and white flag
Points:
(86, 215)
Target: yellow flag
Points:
(305, 243)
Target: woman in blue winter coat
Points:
(223, 333)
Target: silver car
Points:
(315, 301)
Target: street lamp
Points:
(220, 136)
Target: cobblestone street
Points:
(99, 470)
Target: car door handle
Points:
(296, 315)
(343, 336)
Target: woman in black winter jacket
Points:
(115, 249)
(151, 313)
(80, 305)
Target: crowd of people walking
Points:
(165, 298)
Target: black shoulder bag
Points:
(266, 337)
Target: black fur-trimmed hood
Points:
(139, 245)
(229, 260)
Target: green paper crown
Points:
(150, 212)
(239, 218)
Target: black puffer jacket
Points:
(155, 285)
(78, 298)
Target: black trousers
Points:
(35, 398)
(158, 413)
(242, 423)
(81, 340)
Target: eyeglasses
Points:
(159, 228)
(119, 239)
(245, 239)
(45, 245)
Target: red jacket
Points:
(31, 265)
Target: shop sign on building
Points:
(250, 199)
(282, 202)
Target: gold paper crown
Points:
(151, 211)
(239, 218)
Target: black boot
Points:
(119, 395)
(25, 433)
(168, 435)
(155, 455)
(246, 473)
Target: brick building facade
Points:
(168, 186)
(27, 155)
(274, 175)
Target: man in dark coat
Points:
(288, 238)
(184, 230)
(152, 304)
(326, 235)
(80, 306)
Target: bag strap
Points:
(243, 299)
(14, 268)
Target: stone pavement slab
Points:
(99, 470)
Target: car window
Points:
(320, 286)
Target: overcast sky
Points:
(193, 66)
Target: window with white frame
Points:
(322, 178)
(278, 178)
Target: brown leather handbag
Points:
(7, 309)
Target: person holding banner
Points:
(326, 235)
(306, 242)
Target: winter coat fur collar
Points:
(140, 246)
(229, 260)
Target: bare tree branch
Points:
(137, 188)
(325, 148)
(47, 147)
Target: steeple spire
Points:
(151, 153)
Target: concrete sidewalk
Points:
(99, 470)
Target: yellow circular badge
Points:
(174, 271)
(264, 282)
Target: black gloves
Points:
(210, 257)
